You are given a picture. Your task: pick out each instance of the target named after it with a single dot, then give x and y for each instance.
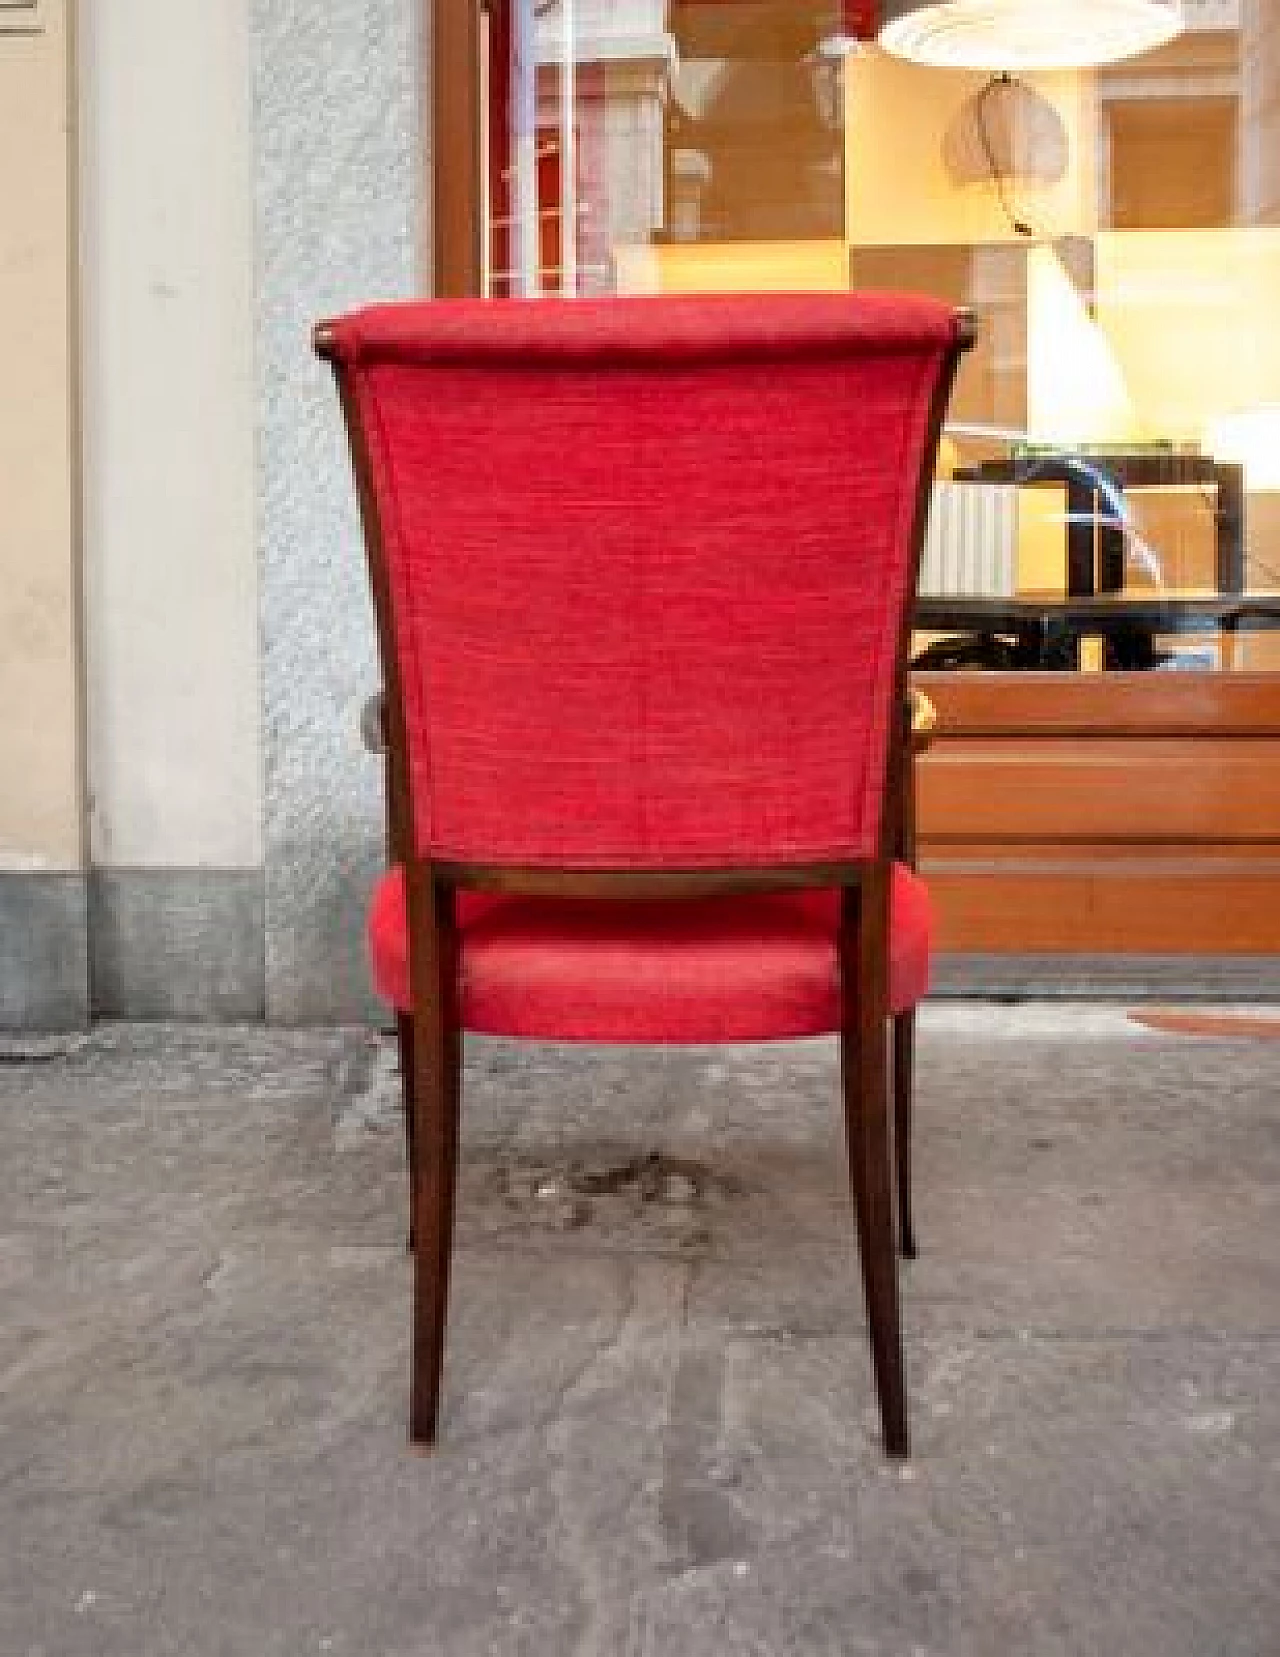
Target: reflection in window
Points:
(754, 129)
(1113, 437)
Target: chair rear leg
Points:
(437, 1097)
(864, 1074)
(904, 1048)
(865, 1085)
(404, 1041)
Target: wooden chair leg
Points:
(404, 1041)
(864, 1053)
(904, 1050)
(437, 1097)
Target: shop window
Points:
(1108, 439)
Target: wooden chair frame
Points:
(431, 1037)
(921, 720)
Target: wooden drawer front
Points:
(1058, 791)
(1105, 704)
(1196, 906)
(1112, 814)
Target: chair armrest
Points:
(920, 720)
(924, 720)
(373, 723)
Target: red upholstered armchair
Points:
(643, 572)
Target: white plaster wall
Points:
(174, 750)
(40, 799)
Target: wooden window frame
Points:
(457, 220)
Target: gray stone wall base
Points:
(44, 967)
(1109, 977)
(196, 944)
(177, 943)
(317, 904)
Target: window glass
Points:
(1109, 489)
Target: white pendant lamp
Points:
(1025, 34)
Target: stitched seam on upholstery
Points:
(782, 852)
(644, 667)
(379, 449)
(877, 757)
(914, 437)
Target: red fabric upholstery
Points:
(642, 572)
(707, 970)
(646, 617)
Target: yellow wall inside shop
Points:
(897, 187)
(732, 267)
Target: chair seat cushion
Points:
(754, 968)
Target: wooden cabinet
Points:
(1104, 814)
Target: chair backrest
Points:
(643, 566)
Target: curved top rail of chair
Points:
(647, 328)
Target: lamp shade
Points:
(1025, 34)
(1251, 437)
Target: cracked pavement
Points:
(659, 1434)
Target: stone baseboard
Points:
(44, 965)
(177, 943)
(1109, 977)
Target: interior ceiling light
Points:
(1026, 34)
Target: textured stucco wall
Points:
(339, 86)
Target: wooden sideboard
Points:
(1118, 814)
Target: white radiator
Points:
(971, 541)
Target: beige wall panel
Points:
(40, 803)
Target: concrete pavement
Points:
(659, 1434)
